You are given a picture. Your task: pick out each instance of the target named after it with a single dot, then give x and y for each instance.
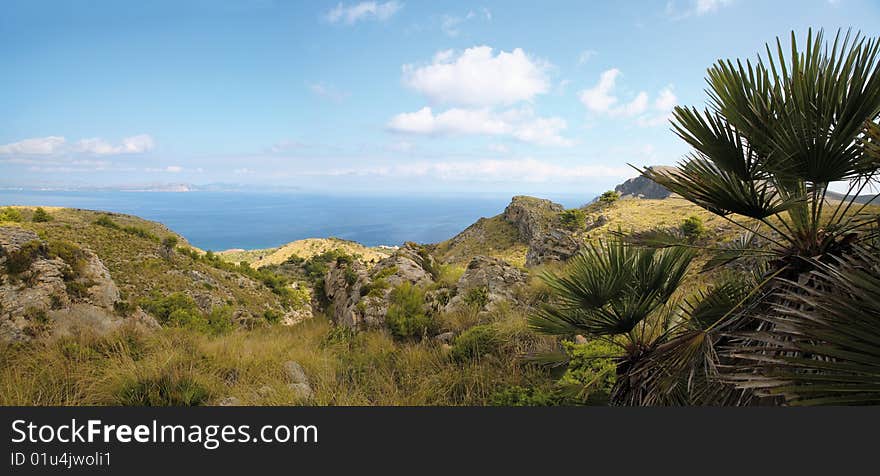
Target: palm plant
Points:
(824, 348)
(776, 135)
(628, 297)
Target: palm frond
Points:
(822, 346)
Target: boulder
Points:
(487, 282)
(45, 297)
(299, 381)
(537, 222)
(359, 297)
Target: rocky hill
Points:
(527, 233)
(642, 187)
(304, 249)
(98, 269)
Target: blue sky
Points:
(412, 96)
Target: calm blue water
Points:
(223, 220)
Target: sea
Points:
(253, 220)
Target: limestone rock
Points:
(229, 402)
(302, 391)
(487, 282)
(359, 298)
(46, 297)
(537, 222)
(295, 372)
(299, 381)
(642, 187)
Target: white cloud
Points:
(129, 145)
(585, 56)
(694, 8)
(171, 169)
(35, 146)
(477, 77)
(327, 91)
(521, 124)
(665, 100)
(450, 23)
(705, 6)
(362, 11)
(55, 145)
(600, 99)
(491, 170)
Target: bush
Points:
(406, 317)
(41, 216)
(107, 222)
(574, 219)
(609, 197)
(693, 227)
(21, 260)
(517, 396)
(169, 243)
(591, 368)
(167, 389)
(10, 214)
(71, 254)
(272, 316)
(477, 297)
(476, 342)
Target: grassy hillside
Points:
(132, 250)
(306, 249)
(493, 237)
(498, 238)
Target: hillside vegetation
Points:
(306, 249)
(132, 249)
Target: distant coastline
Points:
(222, 220)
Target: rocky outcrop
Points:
(486, 283)
(47, 291)
(359, 298)
(643, 187)
(537, 221)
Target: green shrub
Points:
(106, 222)
(475, 343)
(169, 243)
(41, 216)
(375, 288)
(692, 227)
(591, 368)
(21, 260)
(477, 297)
(219, 320)
(166, 389)
(272, 316)
(609, 197)
(123, 308)
(78, 289)
(71, 254)
(406, 317)
(164, 308)
(351, 276)
(574, 219)
(517, 396)
(10, 214)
